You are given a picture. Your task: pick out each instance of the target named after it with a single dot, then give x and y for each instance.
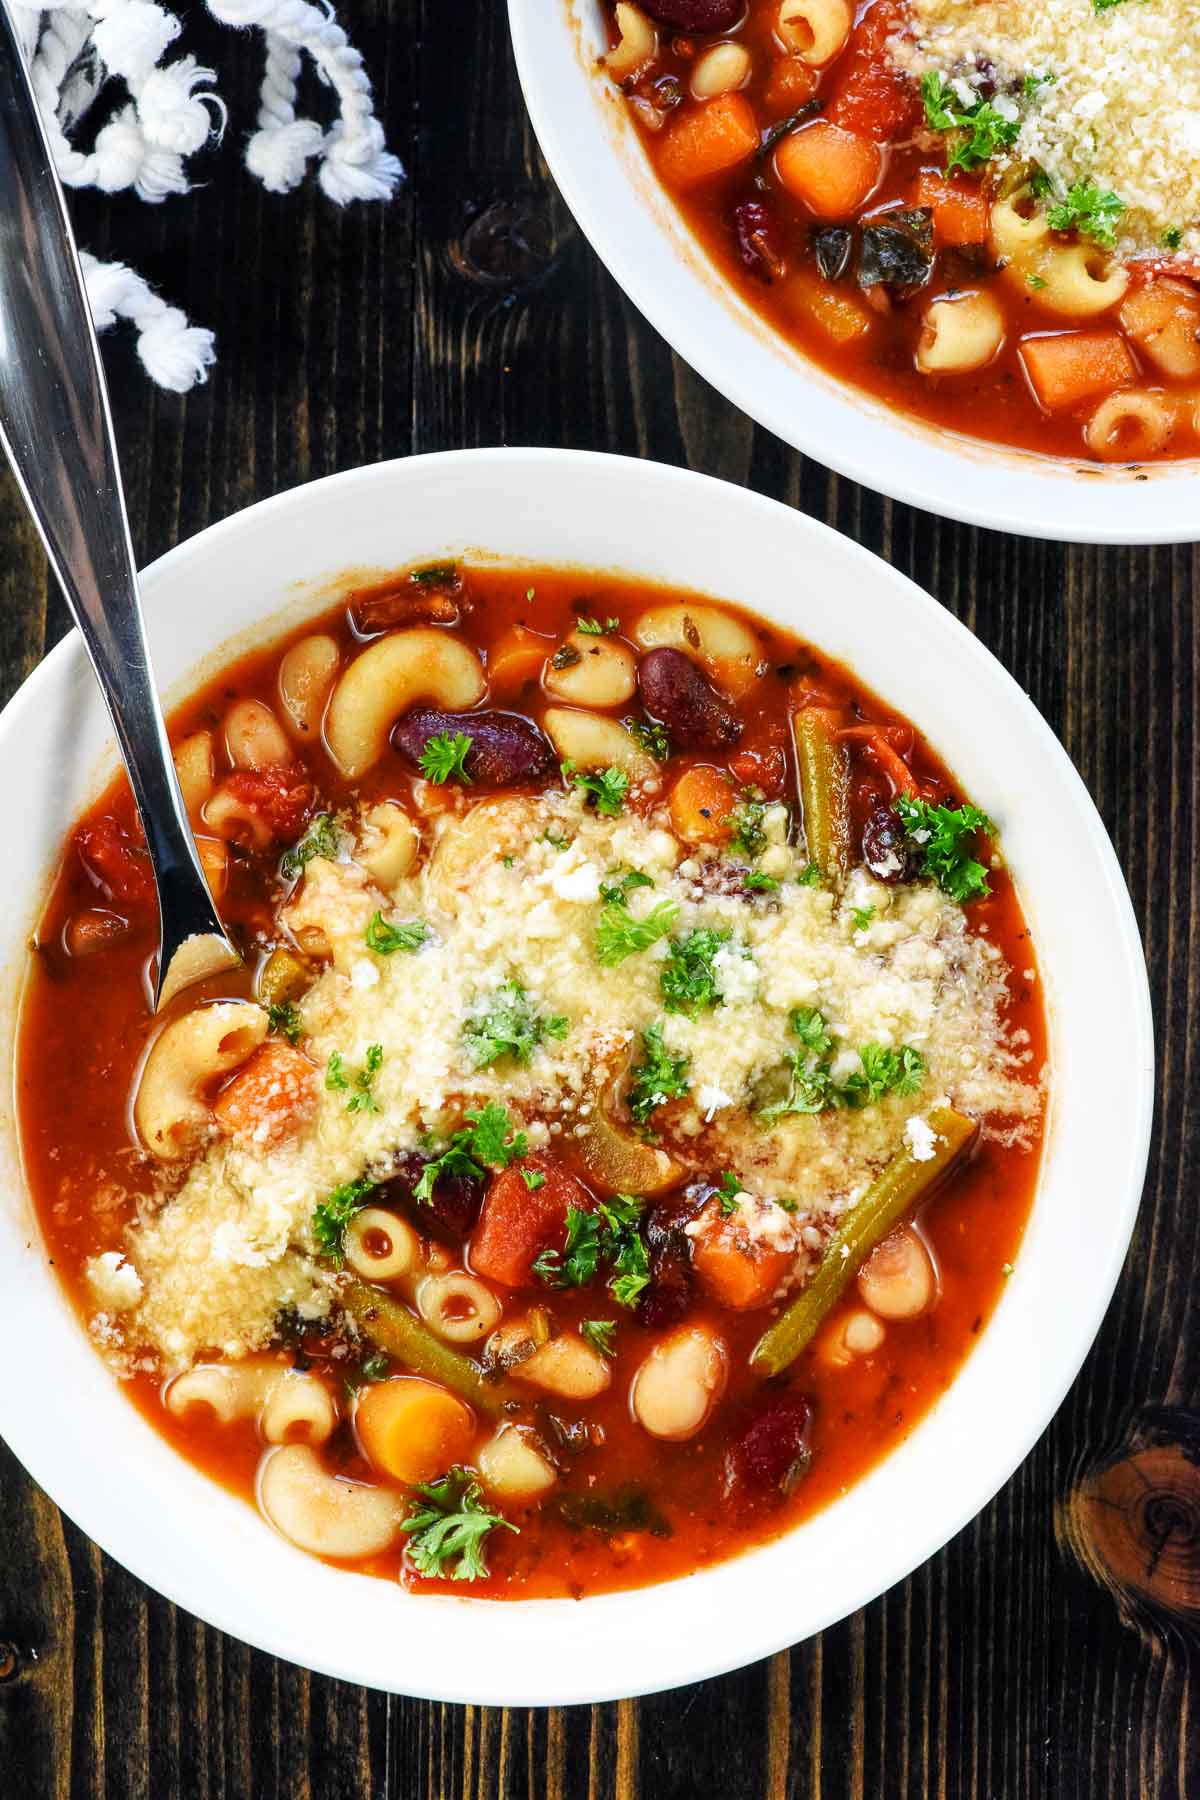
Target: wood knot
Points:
(10, 1661)
(510, 242)
(1133, 1519)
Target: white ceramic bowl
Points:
(607, 181)
(238, 584)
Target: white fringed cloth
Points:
(173, 109)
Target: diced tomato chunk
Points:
(731, 1266)
(518, 1222)
(282, 795)
(874, 98)
(272, 1096)
(117, 860)
(765, 768)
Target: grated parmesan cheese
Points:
(1123, 109)
(218, 1257)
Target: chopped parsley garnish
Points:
(593, 627)
(533, 1179)
(862, 916)
(434, 574)
(487, 1140)
(728, 1189)
(611, 1236)
(1035, 281)
(576, 1263)
(944, 837)
(606, 788)
(375, 1367)
(1092, 214)
(385, 939)
(360, 1088)
(619, 934)
(361, 1096)
(657, 1078)
(565, 657)
(749, 838)
(884, 1071)
(321, 839)
(758, 883)
(651, 736)
(1104, 5)
(283, 1017)
(810, 876)
(622, 882)
(979, 129)
(1033, 84)
(508, 1026)
(805, 1083)
(331, 1217)
(626, 1249)
(689, 980)
(444, 755)
(1172, 237)
(449, 1527)
(600, 1333)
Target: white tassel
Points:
(171, 114)
(174, 354)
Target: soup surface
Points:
(987, 215)
(624, 1118)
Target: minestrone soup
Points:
(624, 1119)
(986, 214)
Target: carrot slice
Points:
(1075, 365)
(706, 140)
(961, 212)
(730, 1266)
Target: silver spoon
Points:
(56, 429)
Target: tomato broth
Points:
(622, 1506)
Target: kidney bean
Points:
(885, 848)
(452, 1209)
(770, 1453)
(758, 239)
(696, 15)
(675, 691)
(504, 747)
(669, 1294)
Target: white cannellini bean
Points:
(513, 1467)
(898, 1280)
(721, 70)
(568, 1367)
(605, 674)
(254, 738)
(679, 1383)
(306, 673)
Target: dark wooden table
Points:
(1016, 1663)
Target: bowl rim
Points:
(969, 480)
(185, 1582)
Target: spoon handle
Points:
(56, 428)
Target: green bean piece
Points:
(891, 1196)
(824, 792)
(391, 1327)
